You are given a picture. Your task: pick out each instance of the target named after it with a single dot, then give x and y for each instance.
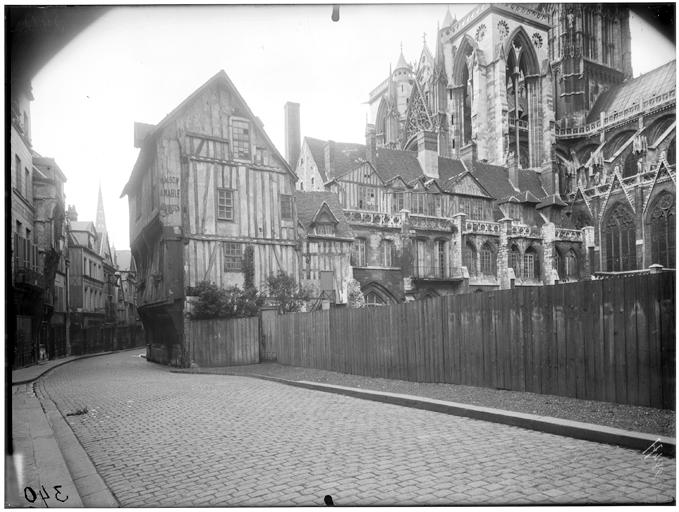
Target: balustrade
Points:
(482, 227)
(568, 235)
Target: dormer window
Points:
(261, 156)
(325, 228)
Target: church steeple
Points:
(100, 224)
(401, 62)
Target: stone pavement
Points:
(163, 439)
(37, 466)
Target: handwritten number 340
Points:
(31, 496)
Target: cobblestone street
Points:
(164, 439)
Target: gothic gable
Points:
(418, 117)
(466, 184)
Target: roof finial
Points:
(424, 38)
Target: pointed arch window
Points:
(662, 222)
(620, 240)
(571, 265)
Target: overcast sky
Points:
(139, 63)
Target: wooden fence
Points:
(611, 340)
(223, 342)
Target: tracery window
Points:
(619, 240)
(662, 221)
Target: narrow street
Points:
(164, 439)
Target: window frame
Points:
(228, 192)
(241, 139)
(387, 253)
(232, 253)
(286, 199)
(359, 253)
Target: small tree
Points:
(354, 294)
(283, 289)
(248, 267)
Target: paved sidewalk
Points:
(37, 461)
(47, 459)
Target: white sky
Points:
(139, 63)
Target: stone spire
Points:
(402, 61)
(448, 20)
(100, 224)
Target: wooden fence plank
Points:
(668, 340)
(619, 341)
(630, 325)
(643, 347)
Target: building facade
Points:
(521, 153)
(51, 233)
(207, 183)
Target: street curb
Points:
(575, 429)
(61, 363)
(92, 490)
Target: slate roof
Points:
(390, 163)
(348, 156)
(626, 94)
(308, 204)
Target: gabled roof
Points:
(221, 78)
(309, 205)
(347, 157)
(451, 184)
(626, 94)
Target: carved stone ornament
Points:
(503, 29)
(537, 40)
(480, 32)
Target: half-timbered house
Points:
(207, 182)
(326, 243)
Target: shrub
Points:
(283, 289)
(355, 296)
(216, 302)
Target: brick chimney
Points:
(292, 133)
(329, 154)
(370, 143)
(427, 153)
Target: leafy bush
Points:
(283, 289)
(232, 302)
(355, 296)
